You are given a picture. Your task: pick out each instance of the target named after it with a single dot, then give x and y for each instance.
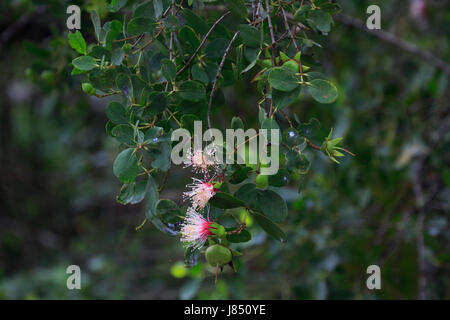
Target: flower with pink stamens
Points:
(200, 194)
(195, 229)
(202, 161)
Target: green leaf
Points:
(270, 124)
(116, 5)
(250, 35)
(283, 79)
(152, 197)
(199, 74)
(144, 9)
(168, 211)
(123, 82)
(117, 56)
(323, 91)
(125, 166)
(269, 227)
(158, 103)
(224, 200)
(272, 205)
(237, 8)
(280, 179)
(297, 161)
(283, 99)
(320, 20)
(236, 123)
(116, 113)
(330, 8)
(77, 42)
(85, 63)
(190, 39)
(168, 70)
(216, 48)
(249, 194)
(159, 7)
(140, 25)
(124, 133)
(309, 129)
(132, 193)
(192, 91)
(100, 53)
(243, 236)
(187, 122)
(240, 174)
(162, 157)
(252, 64)
(194, 21)
(96, 23)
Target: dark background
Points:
(388, 206)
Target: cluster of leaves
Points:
(166, 67)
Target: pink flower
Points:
(195, 229)
(200, 194)
(202, 161)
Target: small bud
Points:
(284, 57)
(292, 65)
(88, 88)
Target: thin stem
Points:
(149, 42)
(287, 118)
(202, 43)
(288, 29)
(312, 145)
(216, 80)
(272, 36)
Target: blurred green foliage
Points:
(58, 191)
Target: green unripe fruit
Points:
(292, 65)
(127, 47)
(88, 88)
(262, 181)
(218, 255)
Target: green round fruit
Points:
(218, 255)
(262, 181)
